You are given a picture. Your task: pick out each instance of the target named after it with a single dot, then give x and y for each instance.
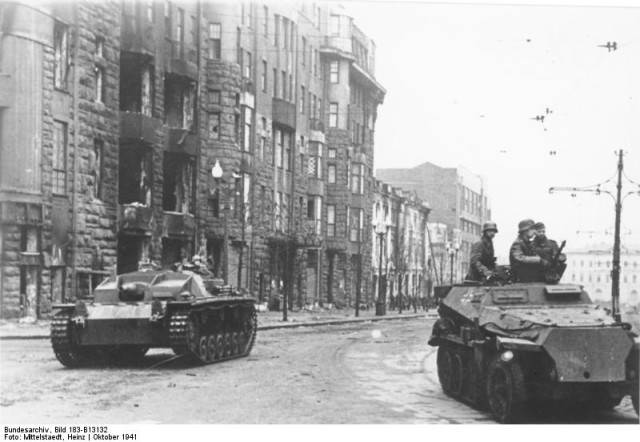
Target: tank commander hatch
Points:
(482, 262)
(525, 263)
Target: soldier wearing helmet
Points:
(549, 251)
(525, 263)
(482, 262)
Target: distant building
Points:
(591, 268)
(458, 198)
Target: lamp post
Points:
(452, 250)
(217, 174)
(381, 229)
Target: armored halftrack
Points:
(507, 346)
(130, 313)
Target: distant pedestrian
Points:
(482, 262)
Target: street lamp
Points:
(381, 229)
(452, 250)
(217, 173)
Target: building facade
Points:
(141, 133)
(590, 267)
(458, 199)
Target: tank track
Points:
(196, 334)
(66, 352)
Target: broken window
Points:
(180, 102)
(178, 183)
(136, 84)
(134, 175)
(59, 181)
(97, 160)
(248, 121)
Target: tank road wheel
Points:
(505, 391)
(235, 343)
(445, 369)
(220, 351)
(203, 348)
(192, 336)
(212, 351)
(228, 351)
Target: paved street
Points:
(371, 372)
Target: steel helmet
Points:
(489, 225)
(525, 224)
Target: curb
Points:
(270, 326)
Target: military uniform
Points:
(548, 249)
(482, 260)
(525, 263)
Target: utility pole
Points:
(618, 199)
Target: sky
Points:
(464, 81)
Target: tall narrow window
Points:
(180, 32)
(275, 83)
(167, 19)
(265, 22)
(334, 76)
(263, 77)
(214, 126)
(287, 140)
(194, 29)
(98, 168)
(333, 115)
(151, 16)
(215, 31)
(357, 181)
(304, 51)
(302, 102)
(248, 122)
(61, 56)
(331, 173)
(247, 66)
(239, 46)
(291, 88)
(99, 72)
(331, 220)
(59, 179)
(284, 85)
(276, 27)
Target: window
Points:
(332, 153)
(284, 85)
(59, 181)
(356, 222)
(97, 168)
(150, 12)
(275, 83)
(134, 175)
(194, 27)
(236, 128)
(265, 22)
(239, 46)
(304, 51)
(331, 173)
(248, 122)
(333, 115)
(61, 56)
(263, 147)
(302, 102)
(314, 166)
(357, 181)
(180, 32)
(214, 126)
(291, 88)
(334, 72)
(334, 25)
(178, 189)
(331, 220)
(99, 73)
(215, 32)
(263, 77)
(214, 96)
(287, 140)
(247, 66)
(167, 19)
(276, 36)
(279, 140)
(315, 62)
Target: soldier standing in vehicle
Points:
(482, 262)
(548, 250)
(525, 263)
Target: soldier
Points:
(548, 250)
(525, 263)
(482, 262)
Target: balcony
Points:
(316, 130)
(284, 113)
(136, 126)
(180, 58)
(315, 187)
(182, 141)
(135, 217)
(178, 224)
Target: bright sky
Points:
(465, 80)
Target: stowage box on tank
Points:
(132, 312)
(504, 347)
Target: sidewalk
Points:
(15, 329)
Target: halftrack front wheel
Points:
(505, 391)
(445, 369)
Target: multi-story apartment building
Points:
(591, 268)
(458, 198)
(145, 132)
(400, 245)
